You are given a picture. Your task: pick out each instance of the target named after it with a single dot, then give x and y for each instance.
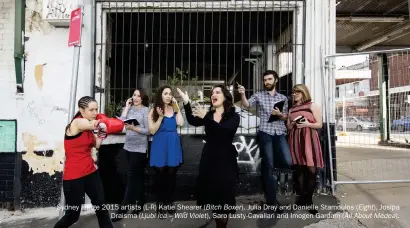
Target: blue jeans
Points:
(274, 151)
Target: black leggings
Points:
(135, 178)
(305, 183)
(74, 191)
(165, 183)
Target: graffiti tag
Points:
(58, 9)
(33, 112)
(248, 152)
(59, 109)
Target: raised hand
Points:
(199, 112)
(241, 89)
(129, 103)
(184, 96)
(102, 131)
(160, 111)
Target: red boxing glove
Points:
(113, 125)
(101, 116)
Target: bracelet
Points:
(96, 123)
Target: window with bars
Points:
(194, 48)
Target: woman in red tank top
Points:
(80, 175)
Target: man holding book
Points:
(272, 108)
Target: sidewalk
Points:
(296, 219)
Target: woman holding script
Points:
(218, 168)
(304, 120)
(134, 153)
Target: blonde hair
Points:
(302, 88)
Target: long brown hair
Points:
(82, 103)
(158, 102)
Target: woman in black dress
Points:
(218, 168)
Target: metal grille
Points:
(194, 46)
(372, 116)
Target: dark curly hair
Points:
(228, 102)
(158, 102)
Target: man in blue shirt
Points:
(272, 135)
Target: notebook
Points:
(130, 121)
(278, 105)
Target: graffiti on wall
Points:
(248, 151)
(58, 9)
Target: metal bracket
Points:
(330, 66)
(98, 89)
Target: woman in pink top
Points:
(303, 121)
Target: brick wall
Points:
(6, 179)
(399, 69)
(7, 91)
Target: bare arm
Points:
(98, 142)
(248, 103)
(154, 126)
(244, 101)
(317, 114)
(82, 124)
(180, 119)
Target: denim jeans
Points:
(275, 152)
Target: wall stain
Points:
(46, 161)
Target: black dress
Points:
(218, 167)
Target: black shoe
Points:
(300, 202)
(160, 210)
(274, 208)
(138, 210)
(171, 208)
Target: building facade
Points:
(116, 56)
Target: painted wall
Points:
(7, 72)
(42, 110)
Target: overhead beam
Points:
(371, 19)
(351, 49)
(394, 34)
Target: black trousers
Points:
(135, 178)
(74, 191)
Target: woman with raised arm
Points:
(166, 152)
(218, 168)
(304, 120)
(80, 175)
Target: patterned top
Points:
(265, 103)
(137, 141)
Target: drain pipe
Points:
(92, 43)
(19, 27)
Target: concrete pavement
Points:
(252, 217)
(368, 205)
(375, 203)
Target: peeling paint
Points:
(42, 164)
(38, 75)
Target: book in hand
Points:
(278, 105)
(130, 121)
